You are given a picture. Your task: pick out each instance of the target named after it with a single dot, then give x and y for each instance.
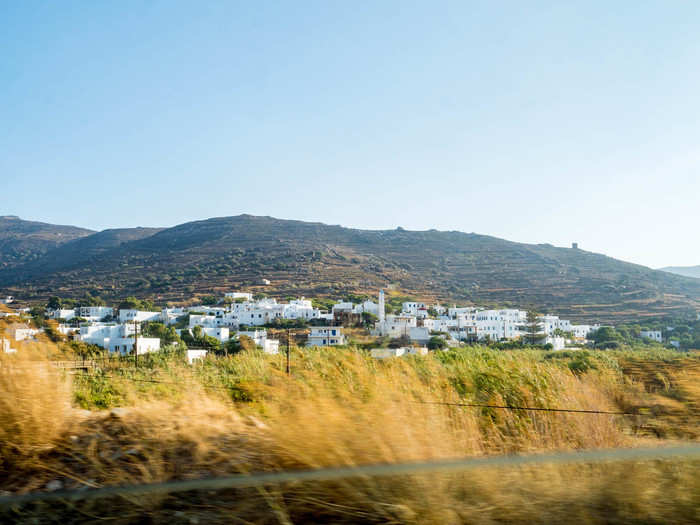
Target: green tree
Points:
(91, 300)
(197, 339)
(132, 303)
(436, 343)
(399, 342)
(166, 334)
(533, 328)
(54, 303)
(85, 350)
(605, 334)
(369, 319)
(239, 344)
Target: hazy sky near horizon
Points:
(531, 121)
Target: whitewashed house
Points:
(219, 333)
(342, 307)
(368, 306)
(259, 337)
(171, 315)
(125, 345)
(205, 321)
(326, 336)
(95, 313)
(101, 333)
(411, 308)
(654, 335)
(394, 326)
(440, 310)
(139, 316)
(61, 313)
(67, 329)
(300, 309)
(581, 331)
(386, 353)
(194, 354)
(117, 338)
(209, 310)
(557, 342)
(551, 323)
(460, 310)
(24, 333)
(239, 295)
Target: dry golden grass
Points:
(337, 409)
(35, 408)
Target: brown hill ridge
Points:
(314, 259)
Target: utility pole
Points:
(288, 345)
(136, 343)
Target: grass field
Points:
(167, 420)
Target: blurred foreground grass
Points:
(242, 414)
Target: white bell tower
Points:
(381, 306)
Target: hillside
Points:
(25, 241)
(687, 271)
(80, 252)
(315, 259)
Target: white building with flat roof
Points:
(220, 333)
(139, 316)
(125, 345)
(326, 336)
(239, 295)
(62, 313)
(205, 321)
(581, 331)
(386, 353)
(24, 333)
(395, 326)
(654, 335)
(195, 354)
(101, 333)
(259, 337)
(412, 307)
(94, 313)
(368, 306)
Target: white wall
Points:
(129, 316)
(654, 335)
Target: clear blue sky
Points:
(532, 121)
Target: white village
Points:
(239, 314)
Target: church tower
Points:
(381, 306)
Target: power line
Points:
(538, 409)
(375, 470)
(468, 405)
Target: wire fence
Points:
(443, 403)
(259, 479)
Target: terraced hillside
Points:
(313, 259)
(688, 271)
(25, 241)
